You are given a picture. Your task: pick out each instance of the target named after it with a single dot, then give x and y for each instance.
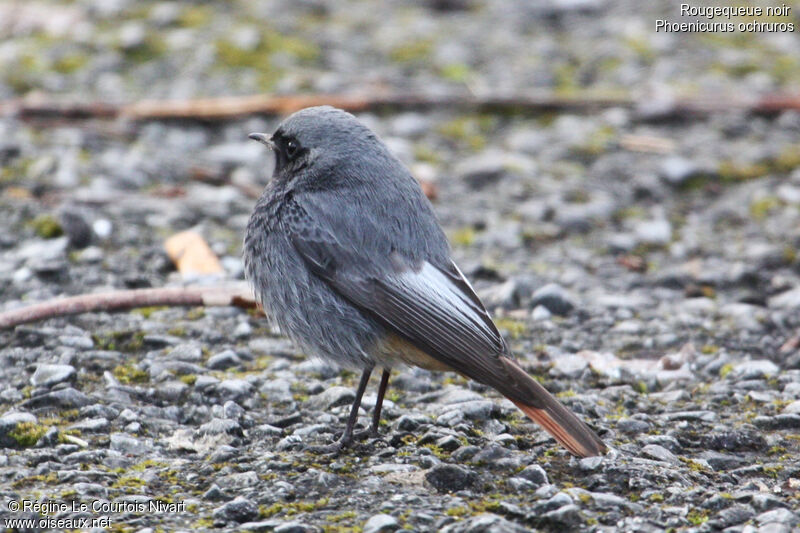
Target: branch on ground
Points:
(237, 296)
(232, 107)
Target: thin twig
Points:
(238, 296)
(232, 107)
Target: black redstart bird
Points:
(344, 252)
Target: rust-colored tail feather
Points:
(544, 409)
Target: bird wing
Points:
(433, 307)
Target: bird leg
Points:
(376, 412)
(347, 436)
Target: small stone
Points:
(657, 232)
(567, 517)
(262, 526)
(223, 360)
(49, 375)
(484, 523)
(214, 493)
(381, 523)
(507, 295)
(78, 230)
(568, 365)
(734, 441)
(186, 352)
(755, 369)
(589, 464)
(332, 397)
(233, 389)
(237, 481)
(92, 425)
(238, 510)
(221, 426)
(67, 398)
(780, 515)
(721, 461)
(535, 474)
(129, 444)
(784, 421)
(555, 298)
(632, 425)
(519, 484)
(294, 527)
(171, 391)
(786, 300)
(677, 170)
(659, 453)
(449, 478)
(540, 313)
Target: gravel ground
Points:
(656, 292)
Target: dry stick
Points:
(238, 106)
(120, 300)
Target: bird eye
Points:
(291, 148)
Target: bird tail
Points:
(544, 409)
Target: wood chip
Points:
(191, 254)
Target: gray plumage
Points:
(346, 255)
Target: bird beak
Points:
(264, 139)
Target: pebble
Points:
(130, 445)
(450, 478)
(47, 375)
(659, 453)
(332, 397)
(554, 298)
(233, 389)
(239, 510)
(67, 398)
(535, 474)
(223, 360)
(381, 523)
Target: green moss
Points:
(291, 508)
(725, 370)
(422, 152)
(189, 379)
(129, 484)
(515, 328)
(709, 349)
(657, 497)
(194, 16)
(26, 434)
(697, 517)
(412, 52)
(70, 63)
(147, 311)
(457, 511)
(50, 479)
(470, 130)
(761, 208)
(148, 463)
(203, 523)
(772, 470)
(46, 226)
(347, 515)
(195, 313)
(456, 72)
(177, 332)
(463, 237)
(152, 47)
(127, 341)
(130, 373)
